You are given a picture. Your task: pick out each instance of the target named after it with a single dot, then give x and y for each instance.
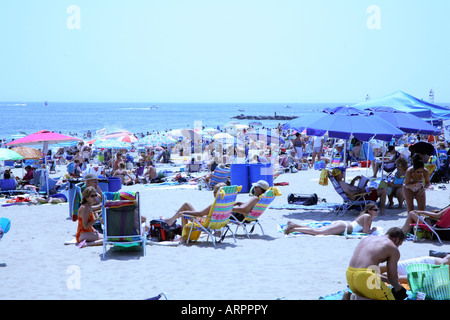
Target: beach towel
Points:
(315, 225)
(318, 206)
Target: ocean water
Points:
(77, 118)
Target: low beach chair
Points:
(442, 225)
(252, 218)
(219, 175)
(122, 220)
(217, 219)
(360, 201)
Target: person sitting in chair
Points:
(389, 164)
(351, 190)
(241, 210)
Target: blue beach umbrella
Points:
(343, 123)
(111, 144)
(405, 121)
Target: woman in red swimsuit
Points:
(86, 234)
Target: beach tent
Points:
(44, 137)
(344, 123)
(402, 101)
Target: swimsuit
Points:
(356, 227)
(366, 283)
(81, 229)
(401, 265)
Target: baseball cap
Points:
(262, 184)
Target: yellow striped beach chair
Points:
(252, 218)
(217, 219)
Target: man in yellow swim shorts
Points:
(363, 275)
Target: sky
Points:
(223, 50)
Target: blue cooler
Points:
(240, 176)
(261, 171)
(103, 184)
(114, 184)
(318, 165)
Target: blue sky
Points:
(223, 51)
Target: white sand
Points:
(35, 263)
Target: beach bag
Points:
(323, 179)
(160, 230)
(433, 280)
(303, 199)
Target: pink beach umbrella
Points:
(128, 138)
(45, 137)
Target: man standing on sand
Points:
(363, 273)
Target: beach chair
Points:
(252, 218)
(441, 225)
(122, 220)
(359, 202)
(217, 219)
(194, 167)
(219, 175)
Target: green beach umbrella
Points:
(8, 154)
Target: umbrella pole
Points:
(46, 169)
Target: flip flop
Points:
(82, 244)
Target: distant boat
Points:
(241, 110)
(288, 106)
(45, 103)
(154, 107)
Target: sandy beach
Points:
(36, 264)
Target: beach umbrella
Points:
(117, 134)
(44, 137)
(156, 140)
(343, 123)
(111, 144)
(222, 136)
(406, 122)
(8, 154)
(210, 130)
(265, 135)
(28, 153)
(128, 138)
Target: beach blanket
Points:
(315, 225)
(318, 206)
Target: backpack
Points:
(303, 199)
(160, 230)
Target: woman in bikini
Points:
(396, 187)
(417, 180)
(86, 234)
(362, 223)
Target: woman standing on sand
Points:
(362, 223)
(417, 180)
(86, 234)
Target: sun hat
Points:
(262, 184)
(90, 176)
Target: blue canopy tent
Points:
(402, 101)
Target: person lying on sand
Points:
(363, 223)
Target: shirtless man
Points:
(241, 210)
(363, 273)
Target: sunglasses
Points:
(92, 196)
(374, 209)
